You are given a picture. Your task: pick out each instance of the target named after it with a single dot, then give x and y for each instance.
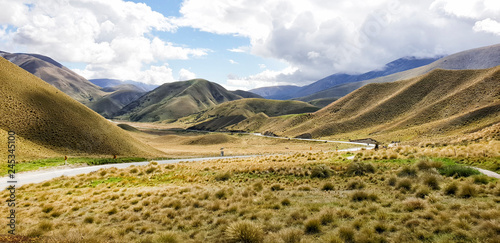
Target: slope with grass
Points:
(176, 100)
(57, 75)
(119, 96)
(478, 58)
(232, 112)
(441, 103)
(50, 122)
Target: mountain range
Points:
(290, 92)
(439, 103)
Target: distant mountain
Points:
(246, 94)
(276, 92)
(176, 100)
(49, 123)
(232, 112)
(479, 58)
(106, 83)
(441, 103)
(119, 96)
(290, 92)
(57, 75)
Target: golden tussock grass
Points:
(261, 199)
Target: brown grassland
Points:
(400, 194)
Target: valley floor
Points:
(395, 195)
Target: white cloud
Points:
(262, 79)
(114, 37)
(233, 61)
(242, 49)
(185, 74)
(262, 66)
(488, 25)
(320, 38)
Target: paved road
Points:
(44, 175)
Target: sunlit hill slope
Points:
(440, 103)
(51, 122)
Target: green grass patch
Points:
(109, 180)
(458, 171)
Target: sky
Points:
(242, 44)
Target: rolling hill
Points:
(442, 103)
(176, 100)
(107, 83)
(232, 112)
(290, 92)
(119, 96)
(57, 75)
(49, 122)
(478, 58)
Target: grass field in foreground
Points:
(301, 197)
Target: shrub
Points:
(321, 171)
(451, 189)
(458, 171)
(312, 226)
(328, 187)
(277, 187)
(404, 184)
(223, 176)
(467, 191)
(244, 231)
(358, 168)
(407, 171)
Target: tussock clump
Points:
(412, 204)
(467, 191)
(392, 181)
(277, 187)
(358, 196)
(405, 184)
(321, 171)
(244, 231)
(451, 189)
(431, 181)
(359, 168)
(328, 187)
(355, 184)
(290, 235)
(346, 234)
(481, 179)
(312, 226)
(423, 192)
(223, 176)
(427, 164)
(167, 237)
(407, 171)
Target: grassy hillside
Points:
(441, 103)
(49, 121)
(232, 112)
(478, 58)
(119, 97)
(57, 75)
(176, 100)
